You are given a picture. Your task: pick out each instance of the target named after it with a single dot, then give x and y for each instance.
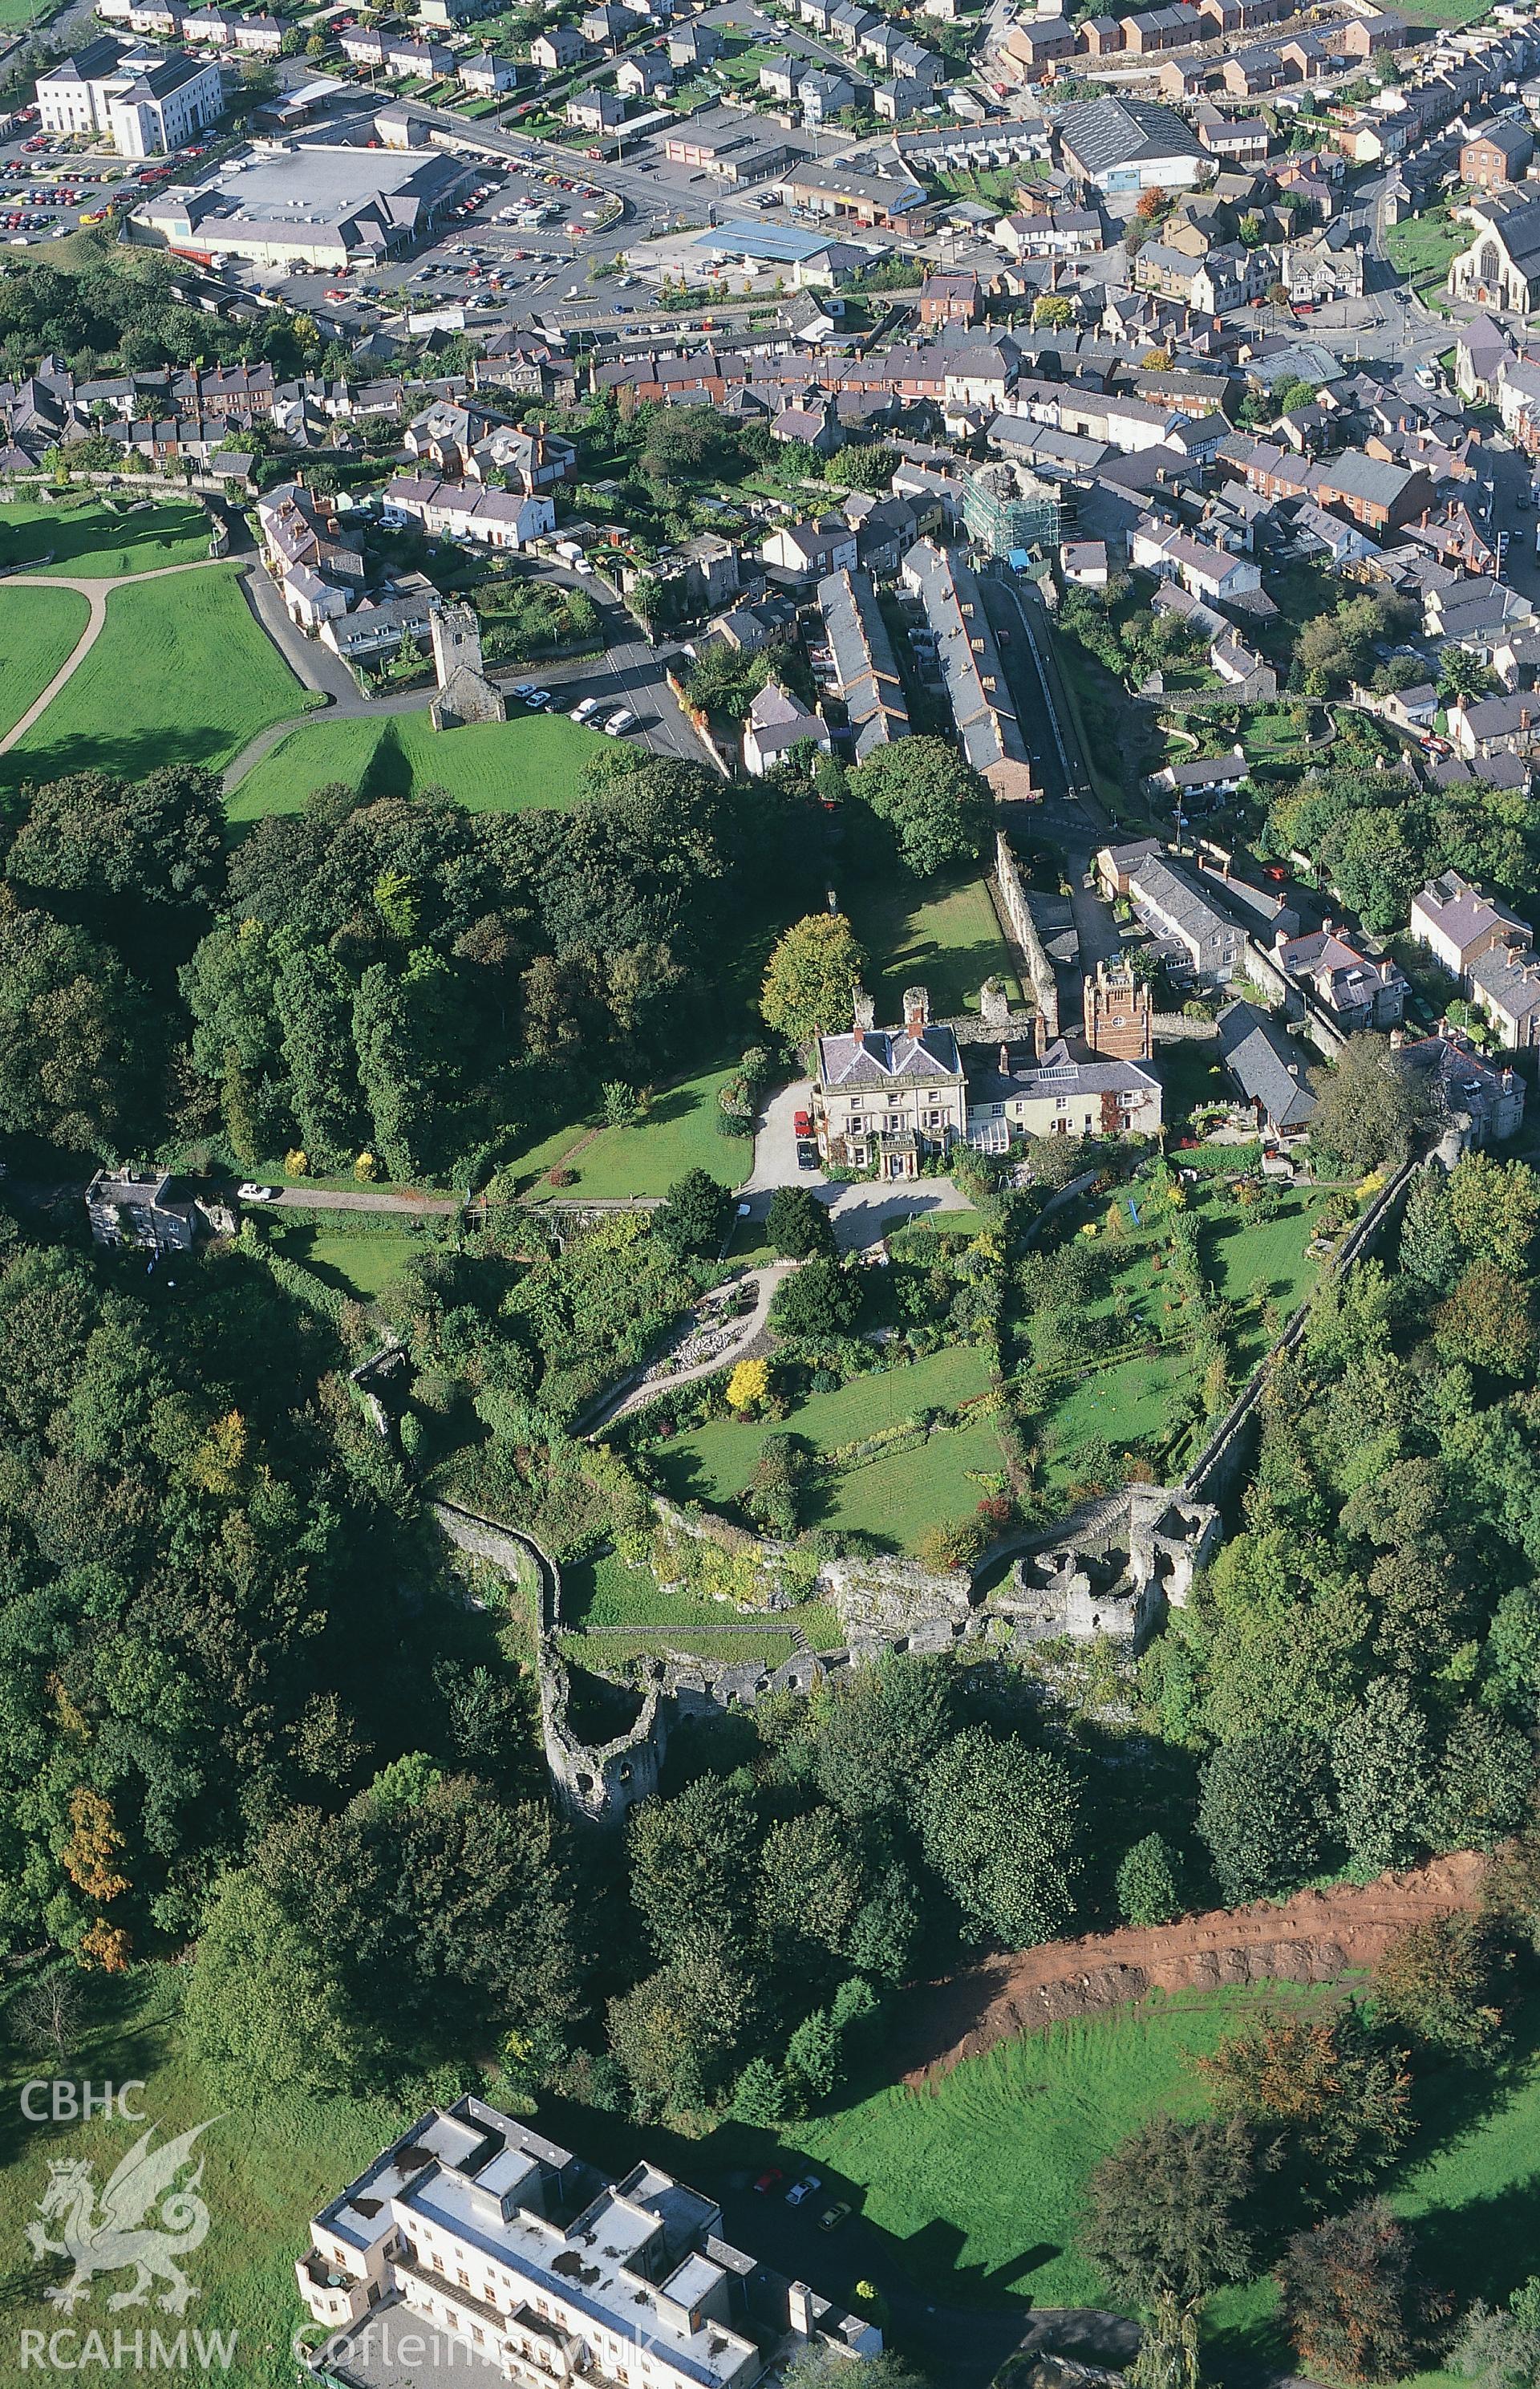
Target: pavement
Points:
(861, 1212)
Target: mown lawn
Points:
(490, 766)
(357, 1263)
(265, 2172)
(606, 1654)
(942, 934)
(608, 1592)
(89, 541)
(679, 1132)
(897, 1499)
(974, 2182)
(38, 630)
(180, 674)
(894, 1499)
(1250, 1263)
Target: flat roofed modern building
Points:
(312, 203)
(524, 2260)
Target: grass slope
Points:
(504, 767)
(89, 541)
(265, 2172)
(180, 674)
(944, 937)
(894, 1499)
(978, 2177)
(678, 1134)
(38, 630)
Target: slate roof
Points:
(1340, 975)
(1265, 1064)
(885, 1057)
(1062, 1069)
(1513, 980)
(1106, 133)
(1461, 913)
(869, 677)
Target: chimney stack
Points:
(865, 1012)
(917, 1010)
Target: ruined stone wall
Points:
(1024, 930)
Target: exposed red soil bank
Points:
(1314, 1938)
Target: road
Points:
(1069, 820)
(631, 671)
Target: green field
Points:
(490, 766)
(895, 1499)
(975, 2181)
(357, 1263)
(948, 942)
(38, 630)
(1250, 1263)
(609, 1592)
(265, 2172)
(678, 1134)
(1445, 12)
(89, 541)
(180, 674)
(1421, 248)
(970, 2186)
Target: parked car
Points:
(802, 1124)
(833, 2216)
(772, 2179)
(805, 2188)
(250, 1192)
(585, 709)
(618, 723)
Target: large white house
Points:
(889, 1095)
(475, 2249)
(147, 102)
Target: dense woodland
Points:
(404, 978)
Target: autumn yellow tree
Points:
(748, 1386)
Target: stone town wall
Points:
(1023, 930)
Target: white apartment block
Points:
(475, 2235)
(147, 102)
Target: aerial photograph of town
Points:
(769, 1194)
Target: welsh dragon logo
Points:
(111, 2234)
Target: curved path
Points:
(95, 590)
(753, 1327)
